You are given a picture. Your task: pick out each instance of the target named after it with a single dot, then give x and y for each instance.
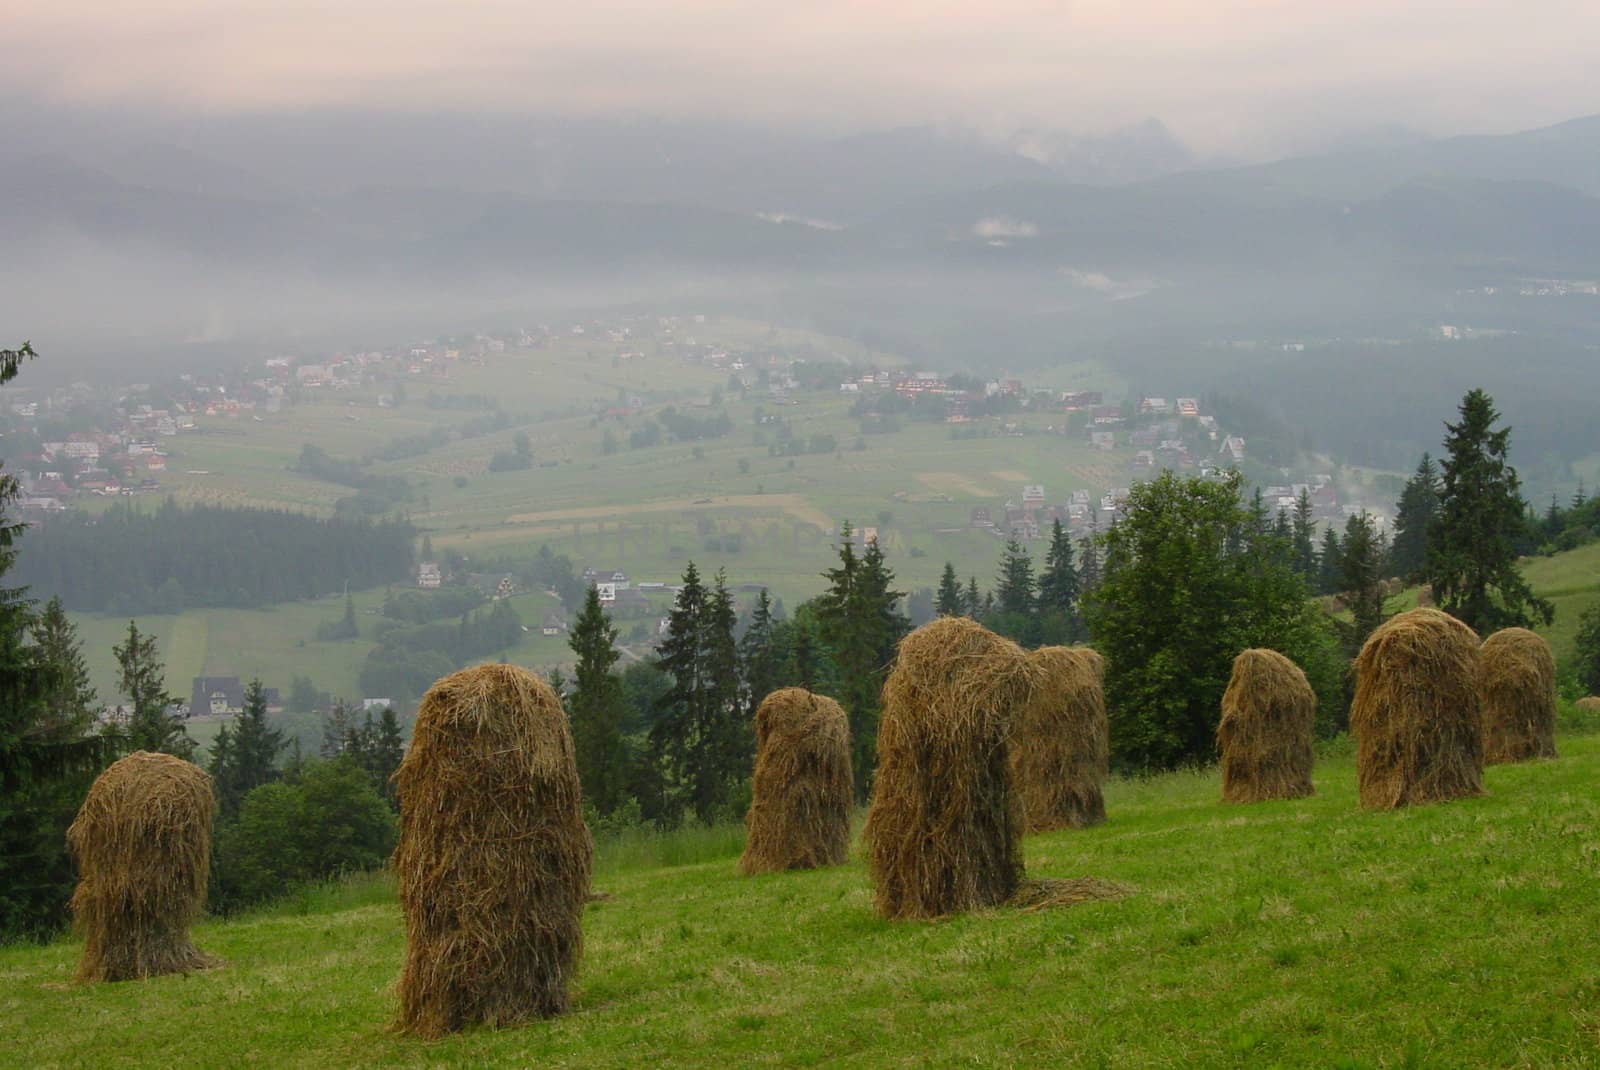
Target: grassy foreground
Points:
(1288, 934)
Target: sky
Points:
(1226, 75)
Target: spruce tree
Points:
(1471, 555)
(949, 602)
(972, 598)
(223, 767)
(1058, 590)
(597, 707)
(256, 744)
(1330, 570)
(1413, 517)
(1303, 539)
(70, 700)
(1361, 560)
(760, 654)
(337, 729)
(143, 680)
(1016, 603)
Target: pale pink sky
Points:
(1221, 72)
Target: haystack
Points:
(1415, 716)
(799, 814)
(1589, 704)
(1060, 743)
(494, 858)
(1264, 738)
(944, 833)
(142, 841)
(1517, 685)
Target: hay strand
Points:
(799, 815)
(1264, 737)
(944, 832)
(1060, 743)
(1415, 716)
(494, 858)
(142, 841)
(1046, 893)
(1517, 685)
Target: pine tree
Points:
(861, 626)
(597, 707)
(949, 602)
(142, 678)
(1330, 567)
(224, 772)
(348, 625)
(337, 729)
(427, 548)
(1302, 539)
(256, 744)
(388, 750)
(1013, 587)
(1058, 591)
(760, 654)
(1361, 559)
(1414, 516)
(1472, 556)
(972, 598)
(70, 700)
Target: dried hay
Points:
(1049, 892)
(1589, 704)
(1517, 685)
(1060, 743)
(1264, 737)
(944, 832)
(142, 840)
(801, 792)
(1416, 714)
(494, 858)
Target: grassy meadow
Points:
(1302, 933)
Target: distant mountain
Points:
(1131, 154)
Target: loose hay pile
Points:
(1060, 743)
(799, 814)
(1264, 737)
(494, 857)
(142, 841)
(1517, 686)
(1416, 714)
(1589, 704)
(944, 833)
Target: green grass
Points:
(1305, 933)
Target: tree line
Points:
(130, 561)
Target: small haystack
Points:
(1060, 743)
(142, 840)
(801, 793)
(1589, 704)
(1264, 738)
(1415, 716)
(1517, 684)
(494, 857)
(944, 833)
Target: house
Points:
(222, 696)
(1144, 459)
(554, 624)
(1103, 440)
(1188, 407)
(1033, 495)
(1106, 415)
(981, 517)
(495, 585)
(376, 705)
(1154, 406)
(1233, 449)
(616, 577)
(1082, 399)
(428, 575)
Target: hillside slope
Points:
(1294, 934)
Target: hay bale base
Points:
(1416, 717)
(494, 858)
(801, 791)
(1264, 738)
(1517, 685)
(1060, 743)
(944, 832)
(142, 841)
(1048, 893)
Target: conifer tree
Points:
(1472, 555)
(338, 727)
(949, 602)
(1089, 565)
(597, 707)
(1414, 515)
(388, 750)
(1330, 569)
(70, 699)
(1303, 539)
(256, 744)
(972, 598)
(142, 679)
(760, 654)
(1059, 591)
(1361, 559)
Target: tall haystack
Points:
(1416, 719)
(1264, 737)
(944, 832)
(799, 814)
(494, 857)
(142, 840)
(1060, 744)
(1517, 685)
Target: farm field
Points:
(1303, 933)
